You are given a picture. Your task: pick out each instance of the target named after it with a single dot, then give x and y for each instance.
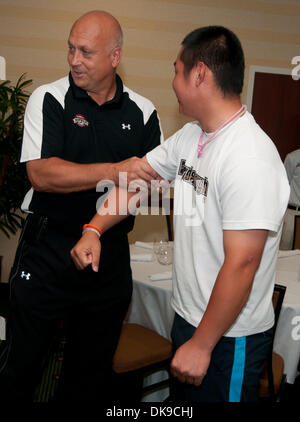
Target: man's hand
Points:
(135, 169)
(87, 251)
(190, 363)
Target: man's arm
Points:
(60, 176)
(243, 252)
(87, 249)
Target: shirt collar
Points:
(81, 93)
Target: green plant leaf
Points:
(13, 178)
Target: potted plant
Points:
(13, 178)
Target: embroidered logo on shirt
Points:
(189, 175)
(80, 120)
(27, 276)
(126, 126)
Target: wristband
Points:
(92, 228)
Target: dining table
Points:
(151, 307)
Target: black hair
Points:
(221, 51)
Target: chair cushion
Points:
(140, 347)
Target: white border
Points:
(263, 69)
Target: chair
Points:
(169, 218)
(272, 377)
(4, 308)
(140, 351)
(296, 238)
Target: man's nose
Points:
(75, 57)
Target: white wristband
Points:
(91, 229)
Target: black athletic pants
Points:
(45, 289)
(234, 370)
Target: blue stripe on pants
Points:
(238, 368)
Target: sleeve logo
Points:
(80, 120)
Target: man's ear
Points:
(116, 56)
(200, 71)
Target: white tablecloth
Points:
(151, 308)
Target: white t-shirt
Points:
(238, 183)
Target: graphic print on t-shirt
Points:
(190, 175)
(192, 201)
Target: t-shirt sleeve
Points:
(164, 158)
(253, 195)
(43, 127)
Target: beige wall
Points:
(33, 36)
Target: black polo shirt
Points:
(61, 120)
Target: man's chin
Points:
(79, 82)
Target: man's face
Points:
(182, 85)
(91, 57)
(185, 88)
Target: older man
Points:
(78, 131)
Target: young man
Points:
(76, 132)
(230, 196)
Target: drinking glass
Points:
(158, 244)
(165, 255)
